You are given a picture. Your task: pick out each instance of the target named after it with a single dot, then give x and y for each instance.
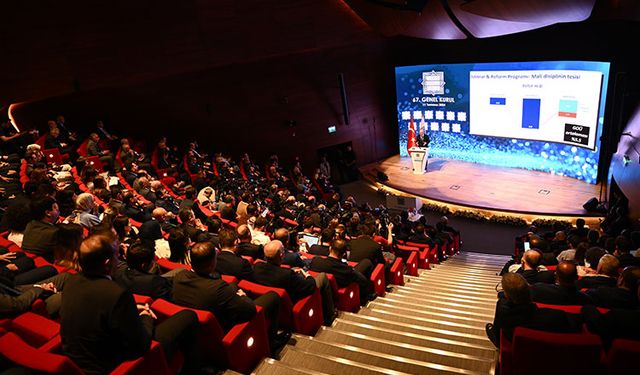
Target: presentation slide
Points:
(544, 115)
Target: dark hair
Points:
(40, 206)
(120, 222)
(593, 255)
(227, 238)
(623, 244)
(178, 244)
(140, 255)
(327, 235)
(67, 239)
(95, 250)
(260, 222)
(581, 251)
(214, 224)
(339, 246)
(202, 254)
(18, 216)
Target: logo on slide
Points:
(433, 83)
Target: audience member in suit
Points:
(337, 265)
(214, 224)
(614, 324)
(94, 149)
(564, 291)
(325, 240)
(135, 209)
(190, 224)
(531, 270)
(135, 275)
(606, 274)
(204, 289)
(292, 255)
(580, 230)
(245, 247)
(516, 309)
(297, 282)
(623, 252)
(101, 326)
(623, 296)
(16, 298)
(229, 261)
(40, 233)
(364, 247)
(53, 140)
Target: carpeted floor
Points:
(482, 237)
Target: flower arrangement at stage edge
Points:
(550, 222)
(469, 215)
(510, 220)
(430, 207)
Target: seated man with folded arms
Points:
(101, 326)
(606, 273)
(516, 309)
(337, 265)
(296, 281)
(203, 289)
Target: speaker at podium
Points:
(419, 156)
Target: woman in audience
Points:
(180, 246)
(125, 232)
(85, 213)
(68, 239)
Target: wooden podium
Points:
(419, 156)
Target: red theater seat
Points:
(348, 297)
(304, 317)
(240, 349)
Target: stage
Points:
(488, 190)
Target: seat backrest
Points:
(20, 353)
(210, 333)
(82, 149)
(41, 140)
(578, 353)
(622, 356)
(53, 156)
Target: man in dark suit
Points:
(40, 233)
(101, 326)
(297, 282)
(515, 309)
(192, 226)
(94, 149)
(364, 247)
(134, 275)
(201, 289)
(623, 296)
(336, 265)
(229, 261)
(564, 291)
(325, 240)
(530, 268)
(245, 247)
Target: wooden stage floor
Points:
(480, 186)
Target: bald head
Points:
(96, 255)
(244, 234)
(159, 213)
(608, 265)
(566, 273)
(273, 252)
(531, 259)
(282, 235)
